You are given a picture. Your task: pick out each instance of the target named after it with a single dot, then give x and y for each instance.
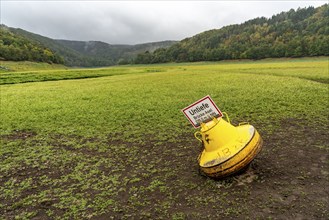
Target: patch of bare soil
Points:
(287, 180)
(19, 135)
(293, 171)
(160, 180)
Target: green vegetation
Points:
(9, 66)
(19, 48)
(30, 72)
(147, 85)
(117, 146)
(300, 33)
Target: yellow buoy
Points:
(227, 149)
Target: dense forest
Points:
(19, 48)
(304, 32)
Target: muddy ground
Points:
(287, 180)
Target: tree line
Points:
(296, 33)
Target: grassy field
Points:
(9, 66)
(112, 142)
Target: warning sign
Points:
(202, 111)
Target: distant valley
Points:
(18, 44)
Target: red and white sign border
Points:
(197, 102)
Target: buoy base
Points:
(237, 162)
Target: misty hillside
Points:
(304, 32)
(71, 53)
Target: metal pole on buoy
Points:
(227, 149)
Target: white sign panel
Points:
(202, 111)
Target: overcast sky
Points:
(133, 22)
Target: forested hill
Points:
(304, 32)
(19, 48)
